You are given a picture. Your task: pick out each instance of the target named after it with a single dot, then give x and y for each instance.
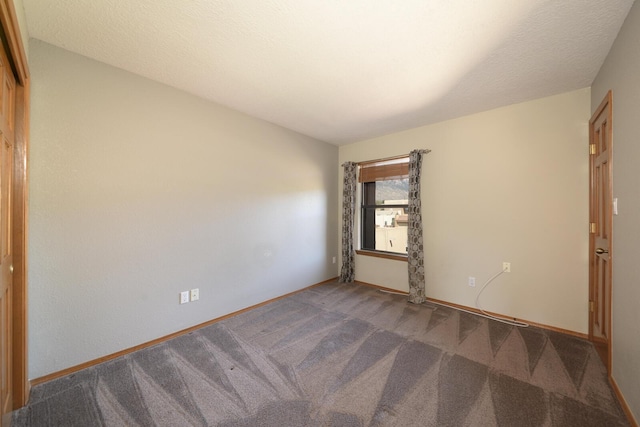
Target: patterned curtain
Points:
(415, 251)
(347, 272)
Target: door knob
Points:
(600, 251)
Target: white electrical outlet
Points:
(195, 294)
(334, 260)
(506, 267)
(184, 297)
(472, 281)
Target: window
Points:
(384, 209)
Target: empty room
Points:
(320, 213)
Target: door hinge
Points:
(591, 306)
(592, 148)
(592, 227)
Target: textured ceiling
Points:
(343, 71)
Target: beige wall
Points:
(621, 74)
(140, 191)
(509, 184)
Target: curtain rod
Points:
(385, 159)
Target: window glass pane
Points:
(392, 191)
(391, 230)
(385, 224)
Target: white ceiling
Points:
(343, 71)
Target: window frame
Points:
(371, 173)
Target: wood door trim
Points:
(21, 385)
(16, 54)
(18, 58)
(605, 103)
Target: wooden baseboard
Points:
(160, 340)
(382, 288)
(625, 407)
(512, 319)
(477, 311)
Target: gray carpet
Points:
(341, 355)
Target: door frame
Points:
(606, 102)
(18, 58)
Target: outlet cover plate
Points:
(195, 294)
(184, 297)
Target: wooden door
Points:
(7, 105)
(601, 209)
(14, 147)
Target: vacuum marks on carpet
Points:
(340, 355)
